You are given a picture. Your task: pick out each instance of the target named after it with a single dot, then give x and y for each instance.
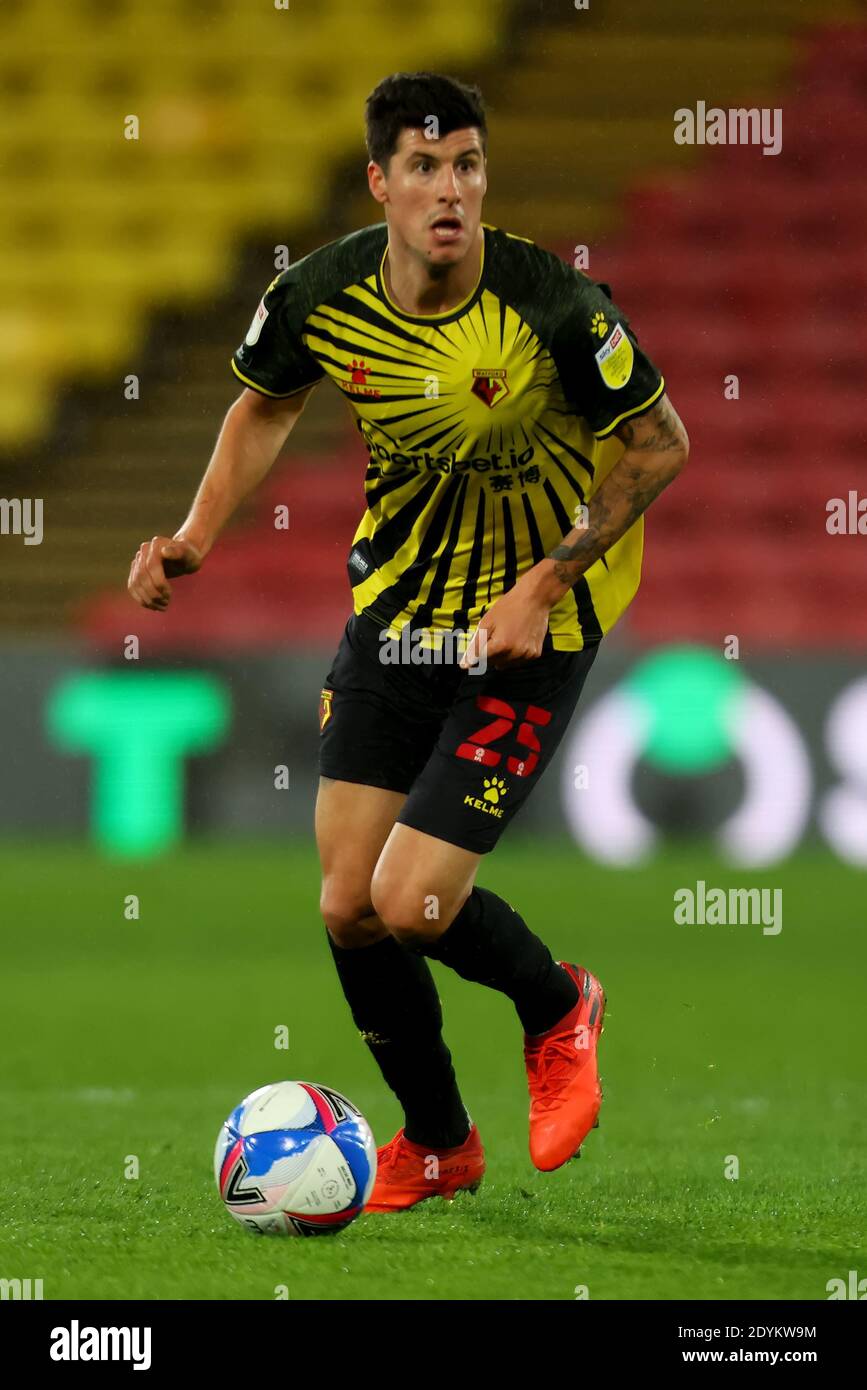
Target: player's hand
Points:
(514, 629)
(156, 562)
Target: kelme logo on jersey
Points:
(357, 384)
(615, 359)
(490, 385)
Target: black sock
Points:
(393, 1000)
(490, 943)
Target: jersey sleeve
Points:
(605, 375)
(272, 358)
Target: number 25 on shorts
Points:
(477, 747)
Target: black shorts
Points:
(468, 749)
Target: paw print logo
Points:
(599, 324)
(359, 371)
(495, 788)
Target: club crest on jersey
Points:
(615, 359)
(357, 383)
(325, 710)
(490, 385)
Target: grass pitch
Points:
(136, 1038)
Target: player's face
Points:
(433, 190)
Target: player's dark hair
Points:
(410, 99)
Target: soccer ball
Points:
(295, 1159)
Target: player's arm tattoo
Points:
(658, 430)
(656, 450)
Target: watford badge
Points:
(325, 711)
(490, 385)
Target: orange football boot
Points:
(403, 1167)
(563, 1076)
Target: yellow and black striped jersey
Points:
(487, 427)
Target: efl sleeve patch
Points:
(256, 326)
(604, 372)
(615, 359)
(272, 358)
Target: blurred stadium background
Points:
(130, 268)
(724, 730)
